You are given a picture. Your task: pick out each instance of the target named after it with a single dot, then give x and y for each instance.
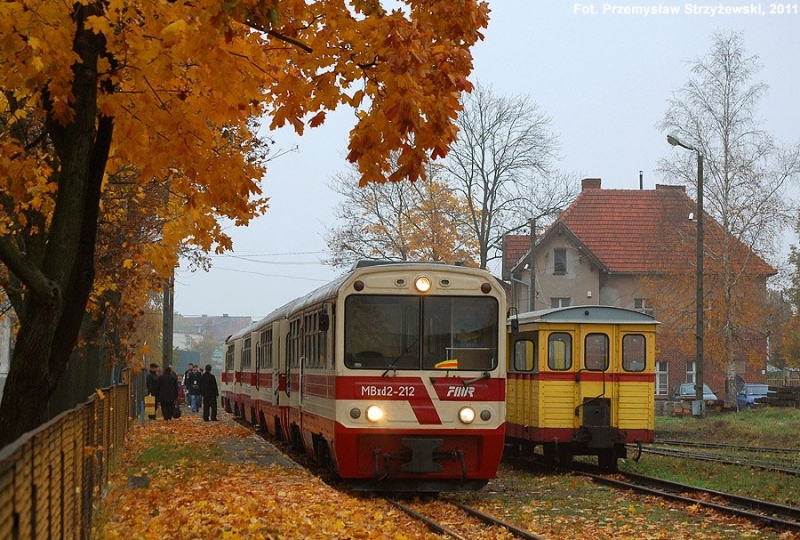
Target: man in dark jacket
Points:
(167, 393)
(193, 387)
(210, 392)
(151, 381)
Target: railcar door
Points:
(596, 386)
(281, 375)
(292, 375)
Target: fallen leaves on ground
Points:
(198, 489)
(201, 495)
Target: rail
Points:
(52, 477)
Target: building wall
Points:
(580, 283)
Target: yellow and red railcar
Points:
(393, 375)
(581, 382)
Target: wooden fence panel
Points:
(52, 477)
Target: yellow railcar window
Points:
(524, 355)
(595, 352)
(559, 351)
(634, 352)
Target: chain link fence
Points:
(52, 477)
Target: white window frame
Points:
(662, 378)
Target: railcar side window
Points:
(293, 346)
(264, 349)
(634, 352)
(314, 340)
(595, 352)
(524, 355)
(246, 354)
(559, 351)
(229, 358)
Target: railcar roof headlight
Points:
(466, 415)
(423, 283)
(374, 413)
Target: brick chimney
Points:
(590, 183)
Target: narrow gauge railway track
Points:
(775, 515)
(743, 461)
(723, 446)
(478, 517)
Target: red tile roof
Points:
(635, 231)
(643, 231)
(515, 246)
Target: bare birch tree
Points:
(502, 164)
(746, 180)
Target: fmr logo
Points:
(461, 391)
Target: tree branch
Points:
(27, 272)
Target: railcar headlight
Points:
(467, 415)
(374, 413)
(486, 415)
(423, 283)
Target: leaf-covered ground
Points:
(198, 491)
(211, 480)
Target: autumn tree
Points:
(169, 93)
(746, 178)
(502, 164)
(789, 341)
(401, 221)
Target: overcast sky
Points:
(603, 77)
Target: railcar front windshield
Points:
(421, 332)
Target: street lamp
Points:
(698, 408)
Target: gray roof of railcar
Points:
(331, 289)
(590, 314)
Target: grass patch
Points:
(167, 453)
(744, 481)
(765, 427)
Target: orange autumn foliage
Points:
(142, 117)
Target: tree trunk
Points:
(29, 383)
(57, 284)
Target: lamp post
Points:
(698, 407)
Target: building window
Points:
(662, 378)
(640, 304)
(559, 302)
(690, 372)
(560, 261)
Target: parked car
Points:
(751, 395)
(686, 391)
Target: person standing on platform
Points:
(167, 392)
(210, 392)
(151, 382)
(187, 374)
(193, 387)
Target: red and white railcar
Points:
(393, 374)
